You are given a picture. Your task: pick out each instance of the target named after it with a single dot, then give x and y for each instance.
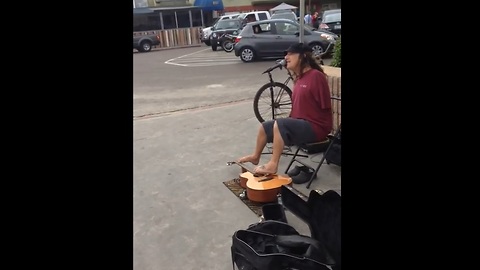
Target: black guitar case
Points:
(273, 244)
(322, 214)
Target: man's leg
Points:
(271, 166)
(259, 146)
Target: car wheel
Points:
(317, 49)
(247, 55)
(146, 46)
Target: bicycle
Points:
(276, 96)
(228, 42)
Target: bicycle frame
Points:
(275, 100)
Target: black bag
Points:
(334, 153)
(273, 227)
(275, 245)
(322, 213)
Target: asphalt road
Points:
(178, 79)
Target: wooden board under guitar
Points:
(261, 188)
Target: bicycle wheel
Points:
(272, 101)
(227, 45)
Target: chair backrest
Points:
(335, 86)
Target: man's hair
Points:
(307, 59)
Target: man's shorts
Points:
(293, 131)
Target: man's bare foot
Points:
(269, 168)
(251, 158)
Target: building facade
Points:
(240, 5)
(252, 5)
(178, 22)
(160, 3)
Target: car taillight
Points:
(237, 39)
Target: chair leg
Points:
(324, 156)
(293, 159)
(314, 174)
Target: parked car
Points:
(207, 31)
(270, 38)
(255, 15)
(144, 43)
(332, 21)
(285, 15)
(223, 27)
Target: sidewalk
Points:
(184, 216)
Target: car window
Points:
(262, 16)
(265, 27)
(227, 25)
(285, 28)
(219, 19)
(334, 17)
(262, 28)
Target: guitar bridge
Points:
(266, 178)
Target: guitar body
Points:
(263, 189)
(243, 182)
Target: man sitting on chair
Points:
(311, 118)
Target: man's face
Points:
(293, 60)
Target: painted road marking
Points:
(204, 58)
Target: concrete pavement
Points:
(184, 216)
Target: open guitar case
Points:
(321, 212)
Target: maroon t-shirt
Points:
(311, 101)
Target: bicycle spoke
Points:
(282, 104)
(273, 101)
(281, 94)
(277, 98)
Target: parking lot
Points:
(189, 120)
(178, 79)
(205, 56)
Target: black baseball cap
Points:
(298, 48)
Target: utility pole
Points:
(302, 21)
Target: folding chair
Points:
(335, 140)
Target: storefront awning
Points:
(209, 5)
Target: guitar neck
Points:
(241, 165)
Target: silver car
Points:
(270, 38)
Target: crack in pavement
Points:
(196, 108)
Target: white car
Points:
(207, 31)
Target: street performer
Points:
(310, 119)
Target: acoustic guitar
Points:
(243, 181)
(261, 188)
